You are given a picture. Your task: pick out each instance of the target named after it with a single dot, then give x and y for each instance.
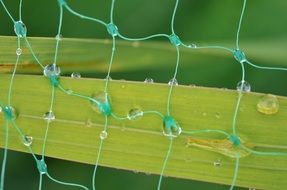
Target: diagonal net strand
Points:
(171, 127)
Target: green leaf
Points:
(139, 144)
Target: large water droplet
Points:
(243, 86)
(52, 70)
(103, 135)
(134, 113)
(268, 104)
(27, 140)
(148, 80)
(76, 75)
(173, 82)
(170, 127)
(49, 116)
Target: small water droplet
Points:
(135, 171)
(109, 78)
(173, 82)
(59, 37)
(88, 123)
(243, 86)
(251, 188)
(170, 127)
(136, 44)
(148, 80)
(18, 51)
(217, 163)
(217, 115)
(192, 46)
(49, 116)
(76, 75)
(134, 113)
(52, 70)
(27, 140)
(70, 91)
(103, 135)
(268, 104)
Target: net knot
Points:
(42, 166)
(174, 40)
(112, 29)
(62, 2)
(20, 29)
(170, 127)
(9, 112)
(239, 56)
(235, 140)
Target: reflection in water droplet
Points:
(217, 163)
(148, 80)
(27, 140)
(134, 113)
(76, 75)
(103, 135)
(49, 116)
(173, 82)
(52, 70)
(243, 86)
(268, 104)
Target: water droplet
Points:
(170, 127)
(103, 135)
(10, 113)
(18, 51)
(108, 78)
(52, 70)
(135, 171)
(20, 29)
(101, 103)
(148, 80)
(217, 115)
(49, 116)
(88, 123)
(59, 37)
(192, 85)
(27, 140)
(217, 163)
(268, 104)
(173, 82)
(76, 75)
(70, 91)
(134, 113)
(136, 44)
(192, 46)
(243, 86)
(251, 188)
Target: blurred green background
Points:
(263, 37)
